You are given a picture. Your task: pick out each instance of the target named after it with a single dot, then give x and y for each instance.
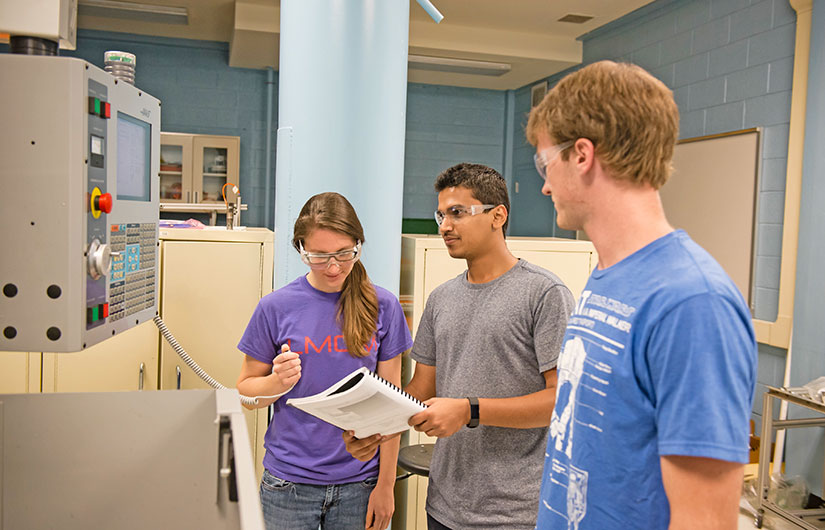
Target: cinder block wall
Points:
(447, 125)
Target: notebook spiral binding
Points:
(396, 388)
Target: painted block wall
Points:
(445, 126)
(805, 446)
(729, 64)
(533, 214)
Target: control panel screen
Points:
(97, 145)
(133, 158)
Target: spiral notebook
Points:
(362, 402)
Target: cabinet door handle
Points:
(140, 376)
(177, 369)
(187, 196)
(196, 196)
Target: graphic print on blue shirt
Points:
(583, 386)
(645, 356)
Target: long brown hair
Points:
(358, 305)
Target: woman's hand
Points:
(286, 367)
(380, 507)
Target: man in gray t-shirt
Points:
(487, 346)
(494, 340)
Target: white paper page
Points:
(365, 414)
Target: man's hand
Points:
(443, 417)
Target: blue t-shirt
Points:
(659, 358)
(299, 447)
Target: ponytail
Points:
(358, 311)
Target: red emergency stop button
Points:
(107, 112)
(104, 203)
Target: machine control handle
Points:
(99, 258)
(225, 470)
(104, 202)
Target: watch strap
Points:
(473, 412)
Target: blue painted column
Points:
(342, 97)
(804, 446)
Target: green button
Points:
(97, 111)
(95, 314)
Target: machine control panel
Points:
(81, 266)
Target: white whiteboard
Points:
(712, 195)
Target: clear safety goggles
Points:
(323, 260)
(543, 160)
(457, 213)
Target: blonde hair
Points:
(358, 305)
(629, 115)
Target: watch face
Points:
(473, 412)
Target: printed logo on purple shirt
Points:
(329, 343)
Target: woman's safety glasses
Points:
(323, 260)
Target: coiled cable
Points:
(190, 362)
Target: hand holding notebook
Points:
(364, 403)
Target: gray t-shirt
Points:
(491, 340)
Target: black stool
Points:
(416, 459)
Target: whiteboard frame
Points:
(734, 268)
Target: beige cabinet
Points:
(19, 372)
(194, 167)
(128, 361)
(426, 264)
(211, 281)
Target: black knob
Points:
(53, 333)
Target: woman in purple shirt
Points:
(301, 339)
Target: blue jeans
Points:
(292, 506)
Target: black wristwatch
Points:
(473, 412)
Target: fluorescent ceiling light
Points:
(457, 66)
(133, 11)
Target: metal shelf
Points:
(764, 505)
(212, 209)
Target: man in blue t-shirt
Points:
(657, 370)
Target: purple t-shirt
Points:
(299, 447)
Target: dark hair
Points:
(358, 305)
(485, 183)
